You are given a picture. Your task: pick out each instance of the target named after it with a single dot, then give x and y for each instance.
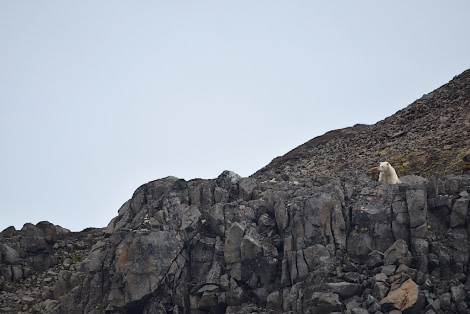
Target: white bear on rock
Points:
(388, 173)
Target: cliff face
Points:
(312, 232)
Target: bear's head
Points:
(384, 166)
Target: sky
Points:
(100, 97)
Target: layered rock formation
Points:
(306, 234)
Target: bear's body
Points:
(388, 173)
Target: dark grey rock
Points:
(353, 277)
(420, 248)
(246, 187)
(8, 232)
(236, 296)
(9, 255)
(359, 311)
(380, 290)
(417, 209)
(273, 301)
(290, 297)
(229, 180)
(445, 300)
(280, 213)
(17, 273)
(326, 302)
(216, 219)
(458, 293)
(266, 224)
(397, 253)
(344, 289)
(32, 239)
(250, 249)
(459, 214)
(316, 255)
(412, 179)
(375, 259)
(360, 245)
(233, 242)
(374, 307)
(388, 269)
(381, 277)
(191, 217)
(302, 268)
(462, 307)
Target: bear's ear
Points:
(388, 164)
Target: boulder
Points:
(403, 297)
(246, 187)
(344, 289)
(397, 253)
(250, 249)
(280, 213)
(233, 242)
(459, 214)
(326, 302)
(8, 232)
(9, 255)
(316, 255)
(140, 262)
(190, 219)
(417, 209)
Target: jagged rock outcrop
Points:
(297, 237)
(306, 247)
(37, 265)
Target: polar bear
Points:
(388, 173)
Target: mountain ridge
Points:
(311, 232)
(443, 124)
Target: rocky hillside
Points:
(430, 136)
(312, 232)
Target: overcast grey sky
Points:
(99, 97)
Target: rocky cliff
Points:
(312, 232)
